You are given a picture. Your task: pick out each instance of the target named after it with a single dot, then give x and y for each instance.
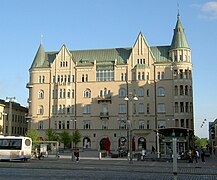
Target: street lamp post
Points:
(10, 114)
(130, 98)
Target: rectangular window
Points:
(175, 74)
(158, 75)
(186, 107)
(105, 75)
(67, 125)
(141, 108)
(161, 108)
(122, 124)
(148, 108)
(86, 124)
(161, 124)
(181, 107)
(122, 108)
(60, 124)
(141, 124)
(181, 74)
(86, 109)
(40, 125)
(182, 123)
(148, 124)
(176, 107)
(105, 124)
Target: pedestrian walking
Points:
(195, 155)
(143, 154)
(203, 156)
(190, 154)
(76, 153)
(153, 150)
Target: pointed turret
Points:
(179, 38)
(39, 57)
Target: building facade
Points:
(87, 90)
(13, 119)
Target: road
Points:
(104, 169)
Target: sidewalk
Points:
(151, 159)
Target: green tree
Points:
(76, 137)
(201, 142)
(51, 135)
(33, 134)
(65, 138)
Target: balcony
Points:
(106, 98)
(29, 85)
(104, 115)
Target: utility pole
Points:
(10, 114)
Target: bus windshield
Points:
(10, 144)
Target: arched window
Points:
(161, 91)
(43, 79)
(139, 75)
(64, 93)
(61, 94)
(87, 93)
(68, 93)
(41, 94)
(73, 94)
(40, 110)
(122, 92)
(143, 76)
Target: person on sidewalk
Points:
(76, 153)
(195, 155)
(203, 156)
(153, 150)
(143, 154)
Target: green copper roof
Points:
(103, 55)
(161, 53)
(39, 57)
(179, 39)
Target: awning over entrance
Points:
(175, 132)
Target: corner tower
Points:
(179, 49)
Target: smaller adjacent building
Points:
(213, 133)
(15, 123)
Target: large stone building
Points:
(13, 118)
(87, 90)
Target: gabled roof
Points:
(179, 39)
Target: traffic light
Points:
(212, 132)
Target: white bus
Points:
(15, 148)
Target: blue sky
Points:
(86, 24)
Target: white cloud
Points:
(208, 10)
